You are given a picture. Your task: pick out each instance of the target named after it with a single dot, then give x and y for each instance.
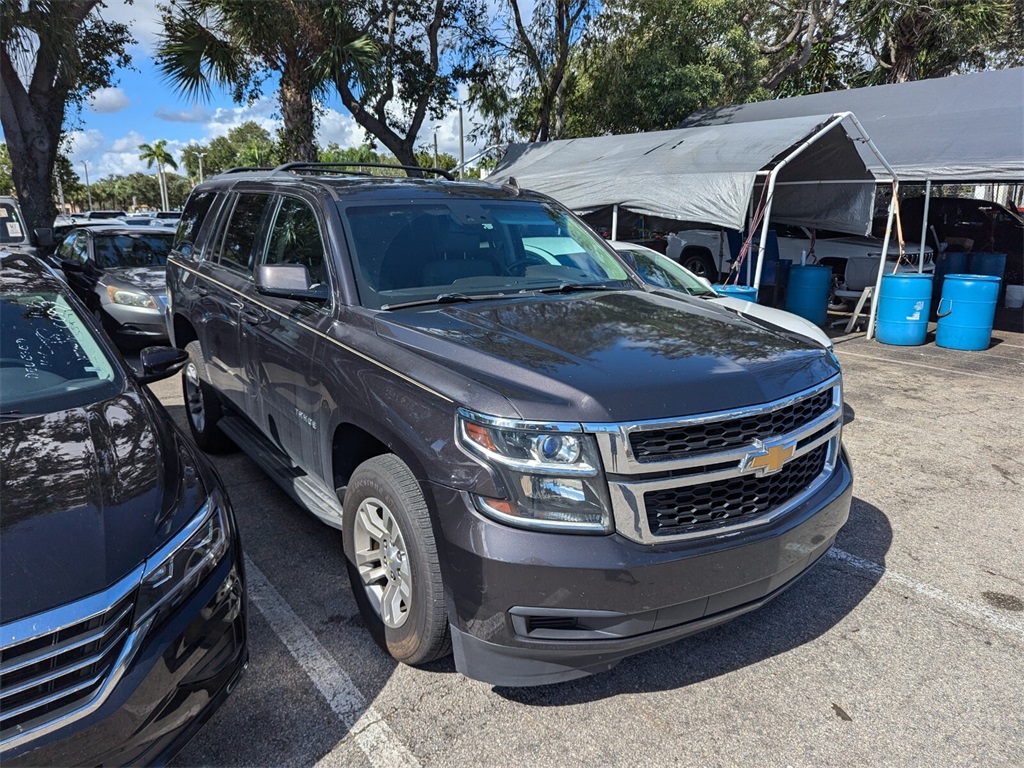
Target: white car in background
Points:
(853, 258)
(657, 269)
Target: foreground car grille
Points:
(659, 444)
(66, 661)
(713, 473)
(710, 505)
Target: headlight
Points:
(551, 472)
(181, 565)
(130, 298)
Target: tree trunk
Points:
(297, 137)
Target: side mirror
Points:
(160, 362)
(289, 281)
(44, 237)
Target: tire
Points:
(700, 263)
(392, 561)
(203, 408)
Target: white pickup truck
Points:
(853, 258)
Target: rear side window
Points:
(197, 211)
(11, 228)
(240, 237)
(295, 239)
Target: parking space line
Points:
(992, 617)
(361, 721)
(877, 359)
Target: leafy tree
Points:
(53, 54)
(6, 179)
(918, 39)
(647, 64)
(425, 48)
(234, 43)
(157, 153)
(545, 46)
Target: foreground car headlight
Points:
(551, 472)
(130, 298)
(182, 564)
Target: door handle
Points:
(250, 317)
(202, 290)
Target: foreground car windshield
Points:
(51, 361)
(466, 248)
(132, 250)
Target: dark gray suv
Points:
(540, 463)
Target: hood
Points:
(88, 494)
(610, 357)
(777, 317)
(149, 279)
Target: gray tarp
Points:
(706, 174)
(967, 128)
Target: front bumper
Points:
(182, 672)
(139, 323)
(530, 608)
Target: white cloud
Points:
(142, 19)
(197, 114)
(108, 100)
(128, 143)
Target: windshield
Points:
(11, 228)
(661, 271)
(461, 249)
(51, 361)
(132, 250)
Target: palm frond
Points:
(191, 57)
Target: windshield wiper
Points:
(571, 287)
(13, 414)
(446, 298)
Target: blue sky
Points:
(141, 108)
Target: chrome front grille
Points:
(674, 479)
(709, 506)
(652, 445)
(63, 663)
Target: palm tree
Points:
(157, 153)
(231, 43)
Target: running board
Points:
(305, 490)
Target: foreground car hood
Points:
(149, 279)
(88, 494)
(616, 356)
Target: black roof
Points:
(25, 272)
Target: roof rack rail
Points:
(246, 169)
(303, 166)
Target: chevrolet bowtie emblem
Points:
(769, 459)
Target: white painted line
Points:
(361, 721)
(922, 365)
(995, 618)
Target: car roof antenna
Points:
(512, 186)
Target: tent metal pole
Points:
(615, 222)
(881, 267)
(836, 120)
(924, 224)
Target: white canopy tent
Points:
(816, 170)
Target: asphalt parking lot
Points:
(905, 646)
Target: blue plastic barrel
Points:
(966, 311)
(948, 263)
(745, 292)
(807, 294)
(903, 309)
(982, 263)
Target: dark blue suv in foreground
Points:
(122, 602)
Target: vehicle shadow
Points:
(313, 669)
(814, 606)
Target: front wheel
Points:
(392, 561)
(202, 405)
(700, 263)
